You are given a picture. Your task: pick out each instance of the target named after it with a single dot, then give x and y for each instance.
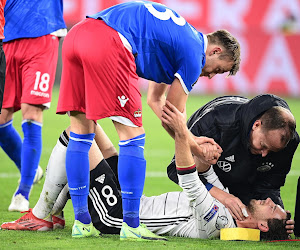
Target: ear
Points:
(256, 124)
(263, 226)
(215, 50)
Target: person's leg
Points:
(108, 151)
(2, 73)
(105, 201)
(38, 218)
(37, 59)
(10, 140)
(54, 194)
(56, 179)
(131, 170)
(104, 143)
(77, 164)
(32, 146)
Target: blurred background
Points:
(268, 31)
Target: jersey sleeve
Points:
(211, 215)
(190, 67)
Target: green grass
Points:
(158, 152)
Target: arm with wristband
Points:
(207, 210)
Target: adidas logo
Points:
(230, 158)
(100, 179)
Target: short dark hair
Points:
(274, 119)
(277, 230)
(231, 46)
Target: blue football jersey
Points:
(32, 18)
(165, 46)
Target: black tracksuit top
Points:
(228, 120)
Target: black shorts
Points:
(2, 73)
(105, 201)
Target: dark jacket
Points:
(228, 120)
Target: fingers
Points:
(236, 208)
(210, 153)
(290, 225)
(232, 214)
(236, 212)
(203, 139)
(244, 211)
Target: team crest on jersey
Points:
(221, 222)
(137, 113)
(211, 213)
(265, 166)
(224, 165)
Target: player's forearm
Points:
(218, 194)
(156, 97)
(191, 185)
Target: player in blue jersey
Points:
(103, 56)
(32, 32)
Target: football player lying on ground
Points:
(258, 139)
(192, 213)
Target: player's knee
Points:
(6, 115)
(32, 112)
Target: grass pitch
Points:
(158, 152)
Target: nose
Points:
(264, 153)
(269, 201)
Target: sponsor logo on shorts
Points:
(37, 93)
(211, 213)
(224, 165)
(221, 222)
(123, 100)
(137, 113)
(265, 166)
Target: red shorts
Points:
(30, 71)
(99, 74)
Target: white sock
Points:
(56, 179)
(61, 201)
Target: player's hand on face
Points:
(290, 225)
(236, 207)
(172, 117)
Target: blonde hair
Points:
(231, 46)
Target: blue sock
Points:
(11, 142)
(78, 174)
(30, 156)
(132, 170)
